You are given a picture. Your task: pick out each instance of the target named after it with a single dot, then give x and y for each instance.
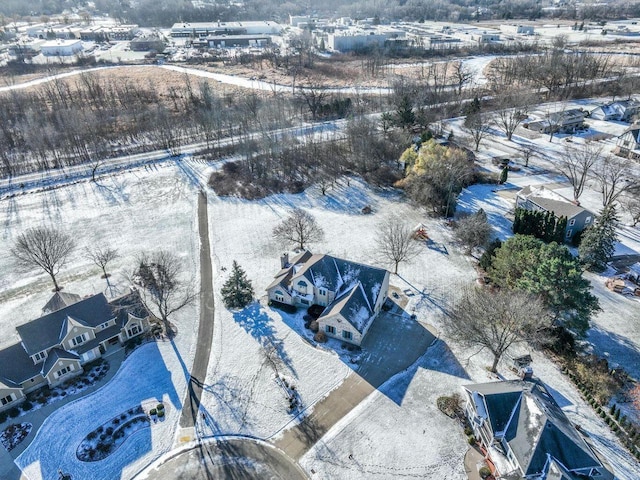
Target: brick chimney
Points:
(284, 260)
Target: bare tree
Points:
(395, 242)
(577, 163)
(300, 228)
(462, 75)
(158, 275)
(473, 230)
(44, 247)
(631, 205)
(494, 321)
(615, 177)
(513, 111)
(314, 95)
(101, 256)
(477, 126)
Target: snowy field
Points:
(396, 432)
(142, 210)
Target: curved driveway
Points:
(234, 458)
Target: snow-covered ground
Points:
(144, 209)
(397, 431)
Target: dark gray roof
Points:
(16, 365)
(353, 306)
(47, 331)
(537, 428)
(338, 275)
(56, 354)
(129, 303)
(61, 300)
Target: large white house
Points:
(352, 293)
(54, 347)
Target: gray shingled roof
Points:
(44, 332)
(61, 300)
(560, 209)
(56, 354)
(16, 365)
(536, 428)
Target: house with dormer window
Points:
(54, 347)
(352, 293)
(524, 434)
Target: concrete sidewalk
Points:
(393, 344)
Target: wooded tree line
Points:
(558, 73)
(90, 118)
(166, 12)
(287, 163)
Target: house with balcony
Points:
(352, 294)
(54, 347)
(524, 434)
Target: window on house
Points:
(587, 220)
(64, 371)
(346, 334)
(330, 329)
(134, 330)
(78, 340)
(302, 286)
(40, 356)
(569, 233)
(572, 222)
(322, 291)
(104, 325)
(7, 399)
(304, 301)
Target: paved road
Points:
(205, 329)
(229, 459)
(393, 343)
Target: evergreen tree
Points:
(598, 241)
(549, 271)
(487, 256)
(517, 222)
(237, 291)
(504, 175)
(405, 116)
(560, 228)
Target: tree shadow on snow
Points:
(255, 321)
(617, 349)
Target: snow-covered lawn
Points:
(145, 209)
(142, 210)
(396, 431)
(155, 373)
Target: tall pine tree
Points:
(598, 241)
(237, 291)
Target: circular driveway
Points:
(232, 459)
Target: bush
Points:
(283, 306)
(161, 414)
(26, 406)
(471, 439)
(13, 412)
(109, 431)
(92, 435)
(160, 407)
(314, 326)
(153, 411)
(320, 337)
(484, 472)
(3, 417)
